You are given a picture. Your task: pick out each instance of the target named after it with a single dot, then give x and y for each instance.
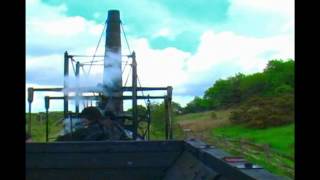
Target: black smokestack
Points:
(112, 79)
(113, 36)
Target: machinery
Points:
(130, 159)
(108, 95)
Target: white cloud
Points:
(159, 67)
(259, 18)
(219, 54)
(48, 29)
(164, 32)
(280, 7)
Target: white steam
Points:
(112, 73)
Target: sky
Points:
(187, 44)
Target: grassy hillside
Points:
(210, 128)
(280, 138)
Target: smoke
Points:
(76, 124)
(109, 84)
(111, 79)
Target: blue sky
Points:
(187, 44)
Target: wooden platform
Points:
(141, 160)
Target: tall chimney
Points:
(112, 75)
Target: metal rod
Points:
(77, 93)
(47, 89)
(170, 119)
(30, 99)
(29, 124)
(113, 97)
(145, 88)
(149, 120)
(71, 126)
(65, 83)
(94, 56)
(134, 96)
(47, 126)
(169, 93)
(60, 89)
(47, 117)
(166, 118)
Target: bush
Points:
(263, 112)
(236, 116)
(283, 89)
(213, 115)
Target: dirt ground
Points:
(202, 124)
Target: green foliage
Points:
(142, 112)
(279, 73)
(283, 89)
(198, 104)
(157, 128)
(276, 79)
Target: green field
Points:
(38, 126)
(279, 138)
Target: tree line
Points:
(276, 79)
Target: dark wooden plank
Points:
(96, 174)
(106, 146)
(100, 160)
(187, 167)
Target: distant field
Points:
(203, 121)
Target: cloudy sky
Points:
(187, 44)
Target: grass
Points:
(38, 126)
(279, 138)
